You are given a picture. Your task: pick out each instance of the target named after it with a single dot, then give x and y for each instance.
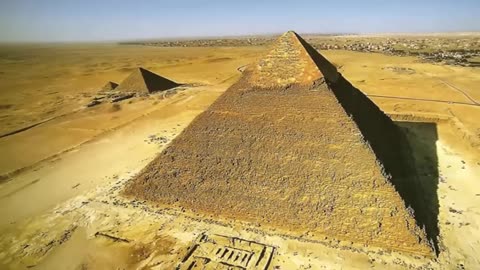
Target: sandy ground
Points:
(58, 197)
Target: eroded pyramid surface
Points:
(144, 81)
(280, 151)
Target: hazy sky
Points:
(91, 20)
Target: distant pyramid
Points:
(144, 81)
(291, 146)
(109, 86)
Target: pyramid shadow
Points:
(407, 151)
(422, 138)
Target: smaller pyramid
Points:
(145, 82)
(109, 86)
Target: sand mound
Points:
(280, 149)
(144, 82)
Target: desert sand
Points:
(64, 166)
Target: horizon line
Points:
(192, 37)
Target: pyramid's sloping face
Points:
(285, 158)
(291, 61)
(144, 81)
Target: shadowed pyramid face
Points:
(291, 61)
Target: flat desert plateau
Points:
(63, 166)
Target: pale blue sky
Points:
(97, 20)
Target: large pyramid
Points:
(143, 81)
(290, 146)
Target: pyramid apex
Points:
(290, 32)
(291, 61)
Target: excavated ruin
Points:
(293, 146)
